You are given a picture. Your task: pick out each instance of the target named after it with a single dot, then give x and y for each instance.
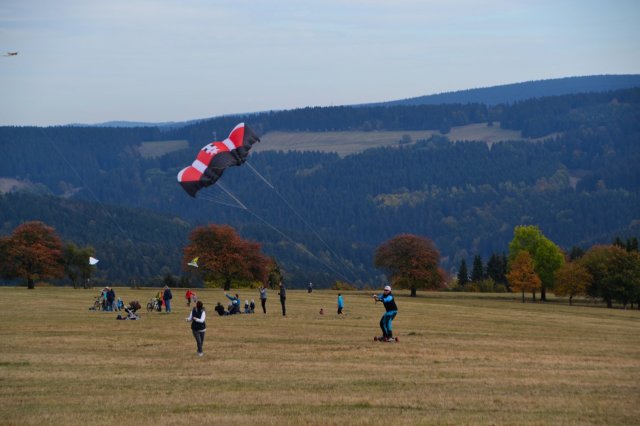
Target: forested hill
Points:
(134, 246)
(510, 93)
(320, 215)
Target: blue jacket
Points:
(340, 302)
(389, 302)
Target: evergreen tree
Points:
(477, 272)
(618, 242)
(496, 269)
(463, 274)
(169, 280)
(576, 253)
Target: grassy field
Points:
(159, 148)
(345, 143)
(461, 360)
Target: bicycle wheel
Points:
(149, 307)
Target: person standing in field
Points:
(111, 298)
(263, 298)
(160, 298)
(198, 325)
(167, 296)
(188, 295)
(340, 304)
(283, 298)
(391, 311)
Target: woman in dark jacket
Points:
(198, 326)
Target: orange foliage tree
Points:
(32, 252)
(572, 279)
(412, 262)
(522, 275)
(224, 255)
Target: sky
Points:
(86, 61)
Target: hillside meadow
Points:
(350, 142)
(462, 359)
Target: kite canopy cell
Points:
(215, 157)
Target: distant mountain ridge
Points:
(493, 95)
(509, 93)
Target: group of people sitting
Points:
(234, 306)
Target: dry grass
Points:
(461, 360)
(347, 142)
(157, 149)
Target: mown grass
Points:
(156, 149)
(461, 360)
(350, 142)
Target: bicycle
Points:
(154, 305)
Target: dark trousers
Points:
(199, 336)
(284, 309)
(264, 305)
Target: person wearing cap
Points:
(235, 303)
(391, 311)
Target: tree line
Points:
(580, 186)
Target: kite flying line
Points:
(95, 197)
(288, 238)
(215, 157)
(257, 173)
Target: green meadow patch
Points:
(460, 360)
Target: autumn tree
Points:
(76, 263)
(224, 255)
(411, 261)
(615, 272)
(599, 260)
(522, 276)
(5, 265)
(572, 279)
(547, 257)
(33, 251)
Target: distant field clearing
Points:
(159, 148)
(347, 142)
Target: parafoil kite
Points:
(215, 157)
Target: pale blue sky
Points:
(86, 61)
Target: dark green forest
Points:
(322, 216)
